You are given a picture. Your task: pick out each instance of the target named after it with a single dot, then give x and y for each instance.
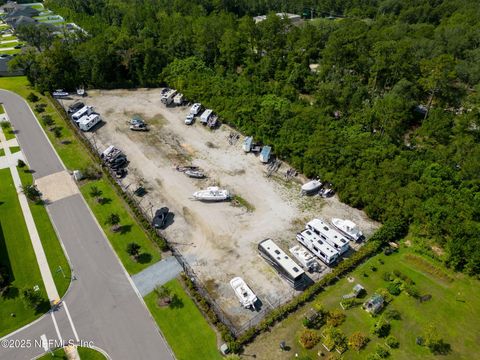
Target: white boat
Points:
(196, 174)
(244, 294)
(212, 193)
(311, 187)
(349, 228)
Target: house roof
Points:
(23, 11)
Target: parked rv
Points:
(317, 246)
(305, 258)
(265, 154)
(89, 121)
(75, 107)
(167, 97)
(205, 116)
(326, 232)
(247, 144)
(86, 110)
(178, 99)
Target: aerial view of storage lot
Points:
(218, 239)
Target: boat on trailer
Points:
(348, 228)
(311, 187)
(212, 193)
(244, 294)
(196, 174)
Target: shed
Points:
(374, 304)
(358, 290)
(265, 154)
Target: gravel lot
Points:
(218, 239)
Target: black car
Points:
(160, 218)
(75, 107)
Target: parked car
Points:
(160, 218)
(189, 119)
(75, 107)
(17, 47)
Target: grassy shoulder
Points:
(18, 257)
(89, 354)
(51, 245)
(130, 231)
(453, 305)
(183, 325)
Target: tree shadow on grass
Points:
(125, 229)
(175, 302)
(42, 307)
(10, 293)
(104, 201)
(144, 258)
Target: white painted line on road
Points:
(43, 337)
(56, 328)
(71, 322)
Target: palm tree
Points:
(95, 192)
(163, 294)
(31, 192)
(133, 249)
(113, 219)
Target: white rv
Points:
(205, 116)
(265, 154)
(86, 110)
(167, 98)
(88, 122)
(178, 99)
(329, 234)
(195, 109)
(305, 257)
(320, 248)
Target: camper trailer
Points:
(86, 110)
(317, 246)
(89, 121)
(305, 258)
(178, 99)
(329, 234)
(167, 98)
(285, 266)
(205, 116)
(265, 154)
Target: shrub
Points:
(392, 342)
(57, 132)
(382, 351)
(373, 268)
(32, 97)
(309, 338)
(47, 120)
(40, 108)
(392, 314)
(32, 298)
(411, 290)
(387, 276)
(20, 163)
(394, 288)
(5, 125)
(335, 317)
(385, 294)
(357, 341)
(381, 328)
(349, 303)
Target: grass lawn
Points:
(2, 152)
(10, 52)
(184, 327)
(132, 231)
(51, 244)
(453, 309)
(8, 45)
(58, 354)
(89, 354)
(16, 254)
(2, 110)
(7, 130)
(14, 149)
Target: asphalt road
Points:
(101, 307)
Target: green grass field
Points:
(51, 244)
(119, 241)
(8, 45)
(184, 327)
(17, 255)
(10, 52)
(58, 354)
(14, 149)
(89, 354)
(2, 110)
(2, 152)
(453, 310)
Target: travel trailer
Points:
(86, 110)
(329, 234)
(317, 246)
(88, 122)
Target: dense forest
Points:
(389, 114)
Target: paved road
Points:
(101, 306)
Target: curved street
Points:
(101, 308)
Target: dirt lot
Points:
(218, 239)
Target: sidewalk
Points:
(50, 287)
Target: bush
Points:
(5, 125)
(32, 298)
(309, 338)
(335, 317)
(394, 288)
(392, 314)
(392, 342)
(411, 290)
(47, 120)
(349, 303)
(387, 276)
(20, 163)
(382, 351)
(40, 108)
(385, 294)
(381, 328)
(357, 341)
(32, 97)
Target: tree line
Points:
(383, 101)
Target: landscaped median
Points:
(183, 325)
(76, 156)
(57, 261)
(83, 352)
(17, 258)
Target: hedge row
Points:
(137, 212)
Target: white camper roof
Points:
(286, 262)
(331, 235)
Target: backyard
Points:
(184, 327)
(18, 258)
(453, 303)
